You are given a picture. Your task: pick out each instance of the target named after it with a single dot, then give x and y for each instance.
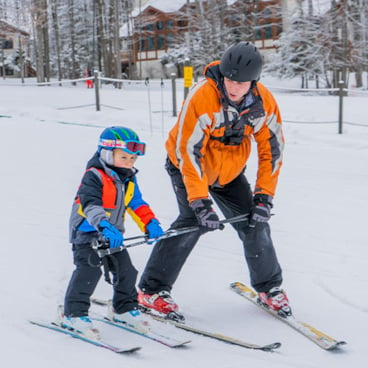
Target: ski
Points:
(214, 335)
(198, 331)
(152, 335)
(100, 343)
(320, 338)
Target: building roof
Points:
(166, 6)
(6, 28)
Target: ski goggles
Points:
(132, 147)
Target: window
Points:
(267, 24)
(159, 25)
(7, 44)
(267, 13)
(268, 32)
(170, 39)
(258, 34)
(148, 27)
(151, 43)
(9, 71)
(160, 42)
(169, 24)
(142, 44)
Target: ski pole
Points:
(104, 251)
(170, 233)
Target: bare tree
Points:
(359, 29)
(84, 34)
(131, 45)
(55, 23)
(4, 9)
(40, 27)
(100, 34)
(116, 29)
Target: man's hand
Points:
(206, 215)
(261, 210)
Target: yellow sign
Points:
(188, 76)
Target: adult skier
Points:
(208, 149)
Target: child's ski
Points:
(152, 335)
(100, 343)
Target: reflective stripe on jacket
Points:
(109, 200)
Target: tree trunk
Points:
(55, 22)
(117, 43)
(101, 51)
(74, 73)
(46, 43)
(37, 21)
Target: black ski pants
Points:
(86, 275)
(169, 255)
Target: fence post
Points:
(2, 59)
(97, 90)
(173, 88)
(162, 106)
(146, 82)
(341, 98)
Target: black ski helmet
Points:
(241, 62)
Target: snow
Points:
(319, 6)
(163, 5)
(319, 231)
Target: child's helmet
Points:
(241, 62)
(123, 138)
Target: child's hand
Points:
(153, 230)
(111, 233)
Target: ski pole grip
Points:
(108, 251)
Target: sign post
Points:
(188, 77)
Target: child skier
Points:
(108, 189)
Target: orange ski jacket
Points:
(194, 144)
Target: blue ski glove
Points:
(206, 215)
(153, 230)
(111, 233)
(261, 210)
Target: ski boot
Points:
(82, 325)
(276, 300)
(132, 318)
(161, 304)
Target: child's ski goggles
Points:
(132, 147)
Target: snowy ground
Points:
(319, 230)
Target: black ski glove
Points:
(206, 215)
(261, 210)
